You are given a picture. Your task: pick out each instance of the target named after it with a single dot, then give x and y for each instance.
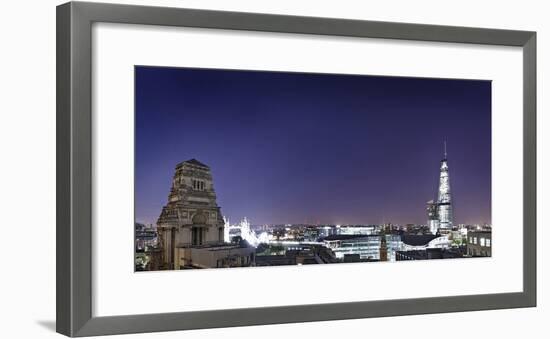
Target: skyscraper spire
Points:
(445, 148)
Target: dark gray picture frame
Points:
(74, 164)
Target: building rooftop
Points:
(348, 236)
(211, 246)
(479, 232)
(430, 253)
(417, 240)
(409, 239)
(194, 162)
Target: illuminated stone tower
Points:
(192, 216)
(444, 203)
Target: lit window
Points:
(471, 240)
(482, 241)
(488, 242)
(475, 241)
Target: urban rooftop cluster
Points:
(191, 232)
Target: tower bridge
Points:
(244, 231)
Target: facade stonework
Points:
(192, 216)
(191, 225)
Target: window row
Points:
(486, 242)
(199, 185)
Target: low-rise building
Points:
(369, 246)
(479, 243)
(298, 255)
(217, 255)
(366, 246)
(428, 254)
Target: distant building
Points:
(356, 229)
(191, 227)
(382, 247)
(479, 243)
(410, 227)
(366, 246)
(311, 233)
(325, 231)
(146, 251)
(145, 237)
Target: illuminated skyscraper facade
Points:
(433, 218)
(444, 204)
(440, 212)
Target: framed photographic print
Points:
(260, 169)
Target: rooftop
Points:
(417, 240)
(212, 246)
(348, 236)
(193, 162)
(479, 232)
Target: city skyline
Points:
(314, 148)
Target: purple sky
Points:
(314, 148)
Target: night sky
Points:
(314, 148)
